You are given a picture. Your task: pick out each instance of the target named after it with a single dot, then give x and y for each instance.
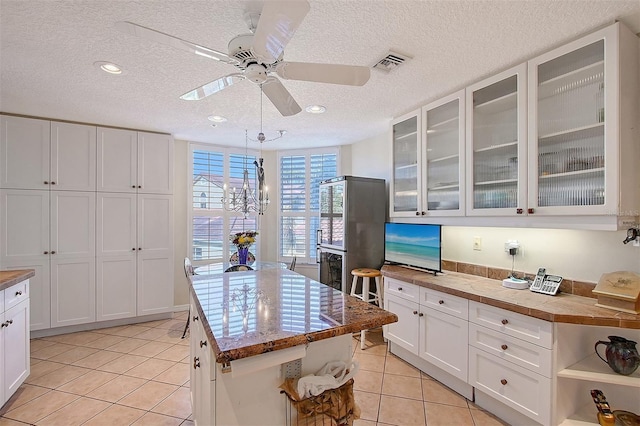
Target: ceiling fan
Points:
(258, 56)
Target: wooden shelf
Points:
(496, 147)
(594, 369)
(500, 104)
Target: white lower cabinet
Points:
(425, 329)
(14, 339)
(203, 372)
(73, 291)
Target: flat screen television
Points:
(413, 244)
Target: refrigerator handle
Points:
(318, 252)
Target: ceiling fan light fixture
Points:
(109, 67)
(217, 118)
(315, 109)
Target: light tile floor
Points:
(139, 375)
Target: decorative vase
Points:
(622, 355)
(242, 255)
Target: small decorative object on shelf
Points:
(622, 355)
(243, 240)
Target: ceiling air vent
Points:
(392, 61)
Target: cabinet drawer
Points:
(521, 326)
(402, 289)
(525, 391)
(524, 354)
(443, 302)
(16, 294)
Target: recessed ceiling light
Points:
(315, 109)
(109, 67)
(217, 118)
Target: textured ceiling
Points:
(47, 51)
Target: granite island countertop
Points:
(562, 308)
(9, 278)
(254, 312)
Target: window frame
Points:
(307, 214)
(226, 215)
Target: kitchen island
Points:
(251, 330)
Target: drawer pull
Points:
(399, 288)
(415, 312)
(504, 347)
(505, 321)
(18, 293)
(196, 362)
(203, 343)
(420, 314)
(503, 381)
(441, 302)
(195, 318)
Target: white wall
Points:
(579, 255)
(180, 225)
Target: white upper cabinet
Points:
(155, 163)
(583, 125)
(24, 153)
(117, 160)
(38, 154)
(496, 144)
(73, 157)
(443, 156)
(136, 162)
(406, 187)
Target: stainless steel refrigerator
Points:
(353, 211)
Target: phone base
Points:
(515, 283)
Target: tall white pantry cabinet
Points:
(72, 207)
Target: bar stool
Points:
(366, 294)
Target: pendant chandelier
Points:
(246, 200)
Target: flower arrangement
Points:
(243, 239)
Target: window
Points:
(212, 168)
(300, 175)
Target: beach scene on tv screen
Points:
(413, 245)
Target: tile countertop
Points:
(284, 309)
(564, 308)
(9, 278)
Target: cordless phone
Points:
(537, 282)
(546, 284)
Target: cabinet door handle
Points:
(196, 362)
(133, 186)
(134, 249)
(139, 248)
(399, 288)
(18, 293)
(195, 318)
(417, 213)
(503, 381)
(53, 252)
(203, 343)
(415, 312)
(10, 321)
(46, 252)
(530, 211)
(46, 182)
(504, 347)
(505, 321)
(420, 314)
(53, 183)
(424, 213)
(440, 302)
(519, 211)
(4, 324)
(139, 186)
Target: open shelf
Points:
(585, 416)
(496, 105)
(496, 147)
(587, 74)
(594, 369)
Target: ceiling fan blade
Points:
(280, 97)
(324, 73)
(158, 37)
(278, 22)
(213, 87)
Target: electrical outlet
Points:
(477, 243)
(511, 244)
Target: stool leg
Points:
(365, 289)
(354, 284)
(379, 291)
(362, 338)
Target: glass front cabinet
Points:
(406, 196)
(581, 130)
(443, 156)
(496, 144)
